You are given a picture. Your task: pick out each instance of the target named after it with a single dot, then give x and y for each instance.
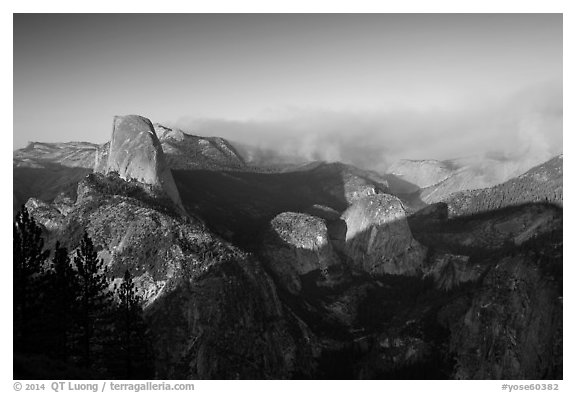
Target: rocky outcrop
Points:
(45, 214)
(513, 327)
(136, 153)
(64, 203)
(212, 310)
(449, 270)
(378, 238)
(101, 158)
(185, 151)
(297, 244)
(229, 324)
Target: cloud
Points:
(523, 126)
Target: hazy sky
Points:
(327, 86)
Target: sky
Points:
(361, 88)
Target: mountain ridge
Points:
(317, 270)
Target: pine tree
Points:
(94, 302)
(134, 360)
(63, 291)
(28, 263)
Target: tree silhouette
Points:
(67, 314)
(28, 263)
(63, 291)
(94, 301)
(134, 360)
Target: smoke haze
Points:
(526, 126)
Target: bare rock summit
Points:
(185, 151)
(378, 238)
(135, 152)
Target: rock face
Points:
(449, 270)
(228, 324)
(513, 328)
(185, 151)
(136, 153)
(295, 245)
(378, 239)
(101, 158)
